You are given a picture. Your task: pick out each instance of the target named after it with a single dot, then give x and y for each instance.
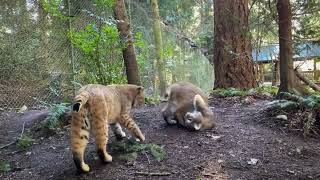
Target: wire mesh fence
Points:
(50, 47)
(37, 59)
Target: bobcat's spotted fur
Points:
(96, 107)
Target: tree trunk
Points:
(129, 55)
(275, 77)
(287, 81)
(261, 73)
(232, 47)
(158, 44)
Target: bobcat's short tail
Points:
(80, 100)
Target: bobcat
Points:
(96, 106)
(187, 105)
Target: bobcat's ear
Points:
(198, 102)
(140, 88)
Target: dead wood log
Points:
(306, 81)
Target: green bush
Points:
(53, 121)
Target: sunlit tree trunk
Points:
(158, 44)
(129, 55)
(287, 77)
(232, 59)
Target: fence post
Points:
(71, 50)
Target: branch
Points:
(153, 174)
(306, 81)
(16, 139)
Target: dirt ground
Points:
(245, 144)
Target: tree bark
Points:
(128, 52)
(233, 66)
(285, 43)
(275, 77)
(158, 44)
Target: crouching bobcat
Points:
(188, 106)
(96, 106)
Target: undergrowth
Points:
(152, 100)
(5, 166)
(130, 149)
(25, 141)
(231, 92)
(55, 116)
(302, 112)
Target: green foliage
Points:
(53, 121)
(152, 99)
(25, 141)
(104, 3)
(265, 89)
(53, 7)
(129, 150)
(230, 92)
(102, 49)
(5, 166)
(282, 105)
(157, 152)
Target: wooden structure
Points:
(306, 57)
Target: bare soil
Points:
(245, 144)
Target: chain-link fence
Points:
(48, 48)
(37, 59)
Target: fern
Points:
(130, 150)
(53, 120)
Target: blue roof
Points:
(301, 50)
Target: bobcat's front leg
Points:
(127, 121)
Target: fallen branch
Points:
(22, 131)
(153, 174)
(144, 152)
(306, 81)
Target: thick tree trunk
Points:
(158, 44)
(285, 43)
(287, 78)
(232, 47)
(129, 55)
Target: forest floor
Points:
(245, 144)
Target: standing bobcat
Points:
(188, 106)
(96, 106)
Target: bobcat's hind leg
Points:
(100, 133)
(79, 139)
(117, 130)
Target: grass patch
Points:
(25, 141)
(265, 89)
(230, 92)
(5, 166)
(130, 149)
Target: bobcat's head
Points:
(139, 97)
(201, 117)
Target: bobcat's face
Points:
(196, 118)
(139, 99)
